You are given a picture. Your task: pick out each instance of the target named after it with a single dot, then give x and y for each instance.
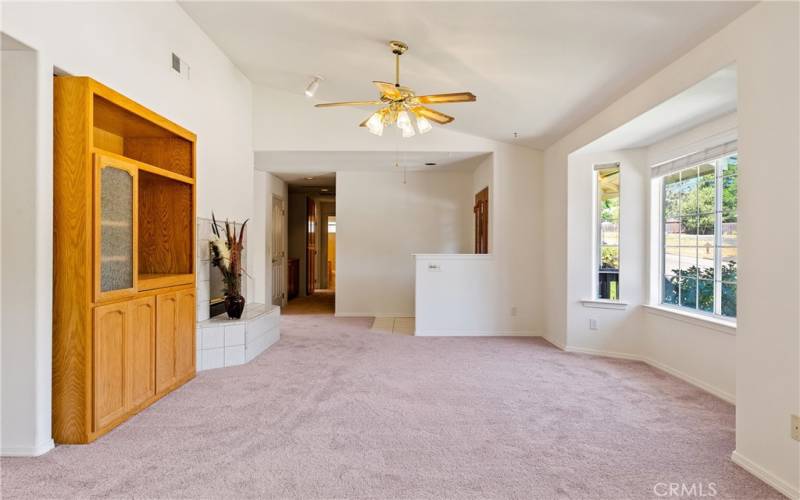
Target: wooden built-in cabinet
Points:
(124, 254)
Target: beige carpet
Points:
(335, 410)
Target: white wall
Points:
(27, 228)
(128, 47)
(619, 330)
(763, 43)
(381, 222)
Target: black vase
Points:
(234, 305)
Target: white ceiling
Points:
(709, 99)
(538, 68)
(294, 166)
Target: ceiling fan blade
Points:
(349, 103)
(433, 115)
(445, 98)
(388, 90)
(364, 123)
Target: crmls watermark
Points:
(684, 490)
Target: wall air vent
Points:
(180, 66)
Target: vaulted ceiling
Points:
(538, 68)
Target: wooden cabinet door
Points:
(140, 351)
(185, 335)
(111, 323)
(166, 318)
(115, 228)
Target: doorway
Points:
(481, 210)
(278, 255)
(311, 257)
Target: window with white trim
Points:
(607, 220)
(698, 233)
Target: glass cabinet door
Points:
(115, 225)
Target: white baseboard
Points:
(28, 451)
(763, 474)
(371, 315)
(475, 333)
(557, 344)
(607, 354)
(723, 395)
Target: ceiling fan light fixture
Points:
(375, 124)
(407, 131)
(312, 87)
(423, 125)
(403, 121)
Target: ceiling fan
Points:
(399, 103)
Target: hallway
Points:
(321, 302)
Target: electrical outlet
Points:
(592, 324)
(514, 311)
(796, 427)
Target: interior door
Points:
(481, 210)
(278, 255)
(166, 317)
(108, 349)
(185, 335)
(311, 245)
(140, 351)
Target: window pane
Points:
(705, 263)
(689, 231)
(730, 165)
(707, 194)
(671, 260)
(609, 233)
(671, 289)
(608, 285)
(729, 233)
(688, 292)
(688, 262)
(672, 187)
(729, 300)
(672, 231)
(689, 189)
(705, 295)
(609, 258)
(707, 171)
(728, 264)
(705, 231)
(730, 188)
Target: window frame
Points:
(718, 221)
(598, 232)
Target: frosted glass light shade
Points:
(408, 131)
(423, 125)
(403, 121)
(375, 124)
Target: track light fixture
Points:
(312, 87)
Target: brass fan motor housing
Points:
(398, 48)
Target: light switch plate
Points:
(796, 427)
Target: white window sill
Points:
(604, 304)
(701, 320)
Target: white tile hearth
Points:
(222, 341)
